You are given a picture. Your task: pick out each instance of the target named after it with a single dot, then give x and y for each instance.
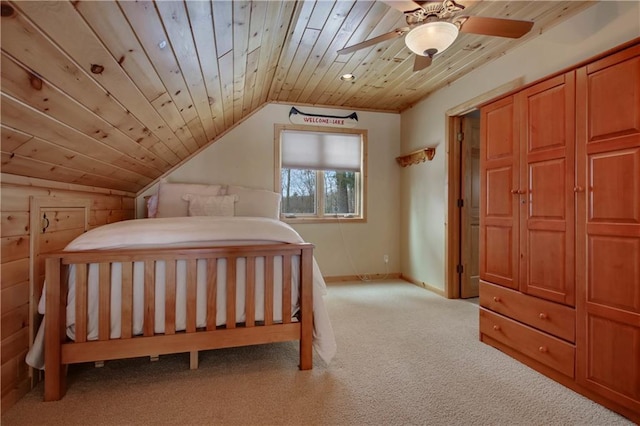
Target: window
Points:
(322, 173)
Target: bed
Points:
(171, 284)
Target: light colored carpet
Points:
(405, 356)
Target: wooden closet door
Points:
(608, 273)
(499, 188)
(547, 175)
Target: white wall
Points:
(245, 156)
(595, 30)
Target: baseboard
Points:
(424, 285)
(343, 278)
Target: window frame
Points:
(320, 216)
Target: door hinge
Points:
(460, 202)
(460, 136)
(459, 269)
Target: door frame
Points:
(453, 118)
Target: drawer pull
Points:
(496, 299)
(542, 349)
(496, 327)
(542, 316)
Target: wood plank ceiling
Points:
(114, 94)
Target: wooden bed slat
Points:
(149, 297)
(81, 303)
(250, 292)
(127, 300)
(231, 292)
(212, 293)
(104, 302)
(191, 295)
(306, 309)
(268, 290)
(170, 297)
(286, 289)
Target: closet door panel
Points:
(613, 99)
(499, 183)
(547, 212)
(608, 226)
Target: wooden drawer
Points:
(552, 318)
(546, 349)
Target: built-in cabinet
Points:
(560, 228)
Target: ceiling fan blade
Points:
(398, 32)
(403, 5)
(495, 26)
(421, 62)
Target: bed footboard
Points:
(270, 327)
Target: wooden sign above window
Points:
(298, 117)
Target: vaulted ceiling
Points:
(115, 93)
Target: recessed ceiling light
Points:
(347, 77)
(162, 44)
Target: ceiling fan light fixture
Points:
(431, 38)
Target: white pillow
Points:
(213, 205)
(256, 202)
(170, 202)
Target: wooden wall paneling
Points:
(14, 320)
(241, 16)
(46, 152)
(314, 40)
(201, 19)
(61, 22)
(34, 51)
(279, 34)
(362, 27)
(225, 65)
(15, 296)
(261, 43)
(12, 163)
(15, 223)
(13, 371)
(11, 139)
(14, 272)
(17, 115)
(147, 25)
(361, 61)
(353, 20)
(14, 345)
(111, 26)
(15, 313)
(22, 84)
(14, 248)
(176, 22)
(302, 13)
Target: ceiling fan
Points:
(432, 27)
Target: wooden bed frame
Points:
(61, 351)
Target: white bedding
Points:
(189, 232)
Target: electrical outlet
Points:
(385, 258)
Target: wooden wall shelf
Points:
(419, 156)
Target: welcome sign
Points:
(298, 117)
